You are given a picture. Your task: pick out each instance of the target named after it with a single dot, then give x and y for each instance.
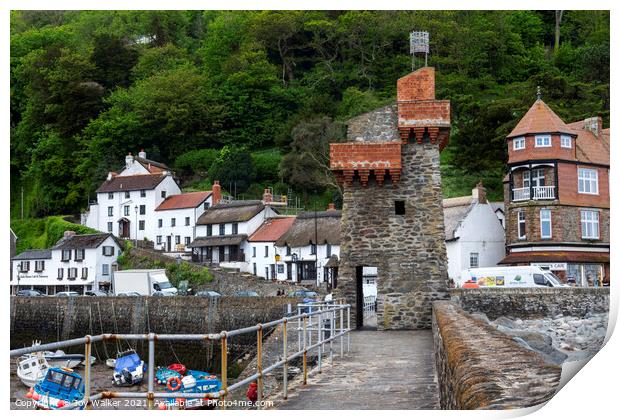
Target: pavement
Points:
(386, 370)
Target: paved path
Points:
(385, 370)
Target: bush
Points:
(43, 233)
(267, 164)
(196, 276)
(195, 161)
(233, 167)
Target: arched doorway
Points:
(123, 227)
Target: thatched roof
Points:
(219, 240)
(324, 229)
(235, 211)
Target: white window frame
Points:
(521, 220)
(545, 140)
(587, 177)
(61, 273)
(590, 224)
(105, 269)
(110, 226)
(159, 240)
(518, 143)
(474, 256)
(566, 142)
(39, 266)
(545, 219)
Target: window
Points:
(142, 193)
(535, 176)
(254, 268)
(589, 224)
(266, 250)
(79, 254)
(188, 239)
(288, 250)
(543, 140)
(545, 224)
(312, 249)
(105, 269)
(566, 142)
(108, 251)
(141, 225)
(539, 279)
(177, 239)
(72, 273)
(187, 221)
(61, 273)
(158, 240)
(24, 267)
(235, 228)
(110, 211)
(328, 250)
(254, 251)
(110, 226)
(110, 196)
(521, 225)
(222, 229)
(66, 255)
(39, 266)
(518, 143)
(84, 273)
(399, 207)
(209, 230)
(587, 181)
(127, 194)
(173, 222)
(473, 260)
(160, 222)
(163, 194)
(142, 209)
(125, 210)
(205, 205)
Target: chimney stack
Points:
(69, 233)
(479, 193)
(128, 160)
(331, 206)
(267, 196)
(142, 154)
(593, 124)
(216, 191)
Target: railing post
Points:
(285, 366)
(224, 368)
(320, 339)
(305, 352)
(348, 328)
(87, 373)
(331, 335)
(341, 331)
(259, 361)
(299, 329)
(150, 399)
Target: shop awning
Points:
(217, 240)
(556, 256)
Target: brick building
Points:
(556, 196)
(392, 214)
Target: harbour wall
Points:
(49, 319)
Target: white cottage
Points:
(474, 232)
(76, 263)
(261, 252)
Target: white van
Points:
(520, 276)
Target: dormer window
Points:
(543, 140)
(518, 143)
(566, 142)
(110, 196)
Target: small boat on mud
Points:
(32, 368)
(60, 388)
(195, 381)
(128, 369)
(60, 359)
(162, 374)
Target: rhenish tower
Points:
(392, 215)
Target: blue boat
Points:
(128, 369)
(195, 381)
(162, 374)
(59, 388)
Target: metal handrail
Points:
(330, 308)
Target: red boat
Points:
(178, 367)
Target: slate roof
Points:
(305, 230)
(34, 254)
(540, 119)
(218, 240)
(272, 229)
(235, 211)
(151, 165)
(92, 240)
(131, 183)
(183, 201)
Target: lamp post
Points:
(136, 210)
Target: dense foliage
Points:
(43, 233)
(273, 86)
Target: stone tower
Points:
(392, 215)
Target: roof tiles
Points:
(184, 201)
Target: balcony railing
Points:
(540, 193)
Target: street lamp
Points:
(136, 210)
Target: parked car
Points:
(67, 294)
(245, 293)
(128, 294)
(208, 293)
(30, 293)
(96, 293)
(163, 293)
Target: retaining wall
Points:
(479, 367)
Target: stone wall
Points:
(479, 367)
(380, 124)
(50, 319)
(533, 302)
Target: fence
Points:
(309, 320)
(370, 306)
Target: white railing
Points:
(540, 193)
(370, 306)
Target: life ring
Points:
(66, 369)
(175, 387)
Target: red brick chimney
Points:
(216, 192)
(331, 206)
(267, 196)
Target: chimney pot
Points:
(69, 233)
(128, 160)
(267, 196)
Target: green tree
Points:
(233, 168)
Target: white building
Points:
(126, 201)
(76, 263)
(222, 231)
(261, 252)
(474, 231)
(310, 249)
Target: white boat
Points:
(60, 359)
(111, 363)
(32, 368)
